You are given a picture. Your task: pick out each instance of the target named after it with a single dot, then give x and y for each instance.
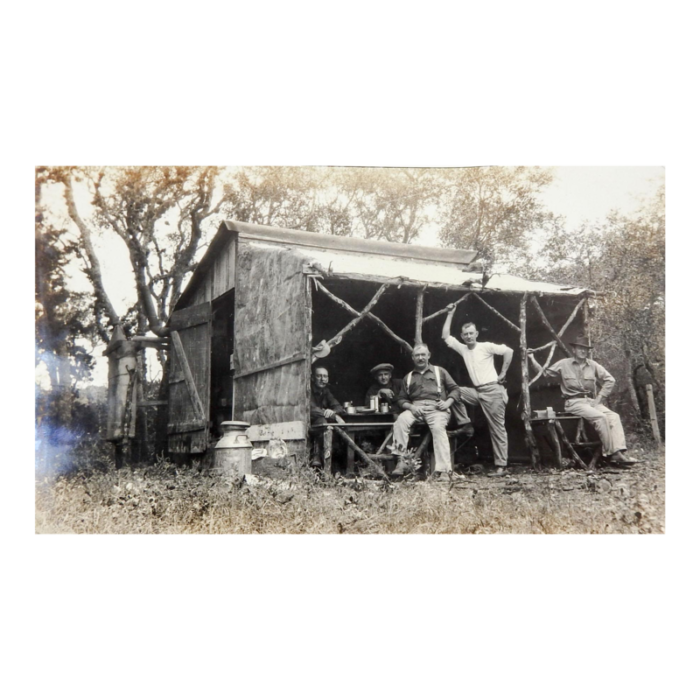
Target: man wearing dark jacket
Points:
(324, 406)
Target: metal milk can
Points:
(233, 453)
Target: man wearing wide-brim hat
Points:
(578, 377)
(385, 386)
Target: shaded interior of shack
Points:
(222, 335)
(366, 345)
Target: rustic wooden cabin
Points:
(262, 298)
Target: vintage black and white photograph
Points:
(350, 350)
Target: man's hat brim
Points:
(385, 366)
(321, 350)
(581, 341)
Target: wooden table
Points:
(355, 424)
(556, 432)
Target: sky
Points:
(589, 193)
(578, 194)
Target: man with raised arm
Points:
(489, 391)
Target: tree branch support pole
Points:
(587, 323)
(420, 299)
(378, 321)
(546, 322)
(548, 362)
(498, 313)
(527, 408)
(338, 337)
(363, 455)
(442, 312)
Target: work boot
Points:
(401, 467)
(467, 430)
(621, 460)
(441, 477)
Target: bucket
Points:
(233, 453)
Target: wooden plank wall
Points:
(272, 324)
(186, 433)
(220, 277)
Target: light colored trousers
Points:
(606, 423)
(493, 400)
(437, 423)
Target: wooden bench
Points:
(359, 424)
(345, 431)
(556, 435)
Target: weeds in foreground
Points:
(165, 498)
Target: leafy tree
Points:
(493, 210)
(62, 319)
(622, 257)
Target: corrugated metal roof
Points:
(371, 259)
(332, 262)
(308, 239)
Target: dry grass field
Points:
(163, 498)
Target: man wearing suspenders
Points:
(427, 394)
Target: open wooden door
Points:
(272, 343)
(190, 379)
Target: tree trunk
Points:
(629, 383)
(161, 424)
(62, 391)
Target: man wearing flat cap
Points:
(578, 377)
(385, 386)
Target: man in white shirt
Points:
(489, 391)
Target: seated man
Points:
(577, 378)
(324, 408)
(427, 394)
(385, 386)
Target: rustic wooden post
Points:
(128, 430)
(556, 445)
(140, 419)
(586, 324)
(327, 448)
(527, 409)
(419, 316)
(652, 413)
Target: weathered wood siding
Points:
(219, 278)
(272, 325)
(190, 380)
